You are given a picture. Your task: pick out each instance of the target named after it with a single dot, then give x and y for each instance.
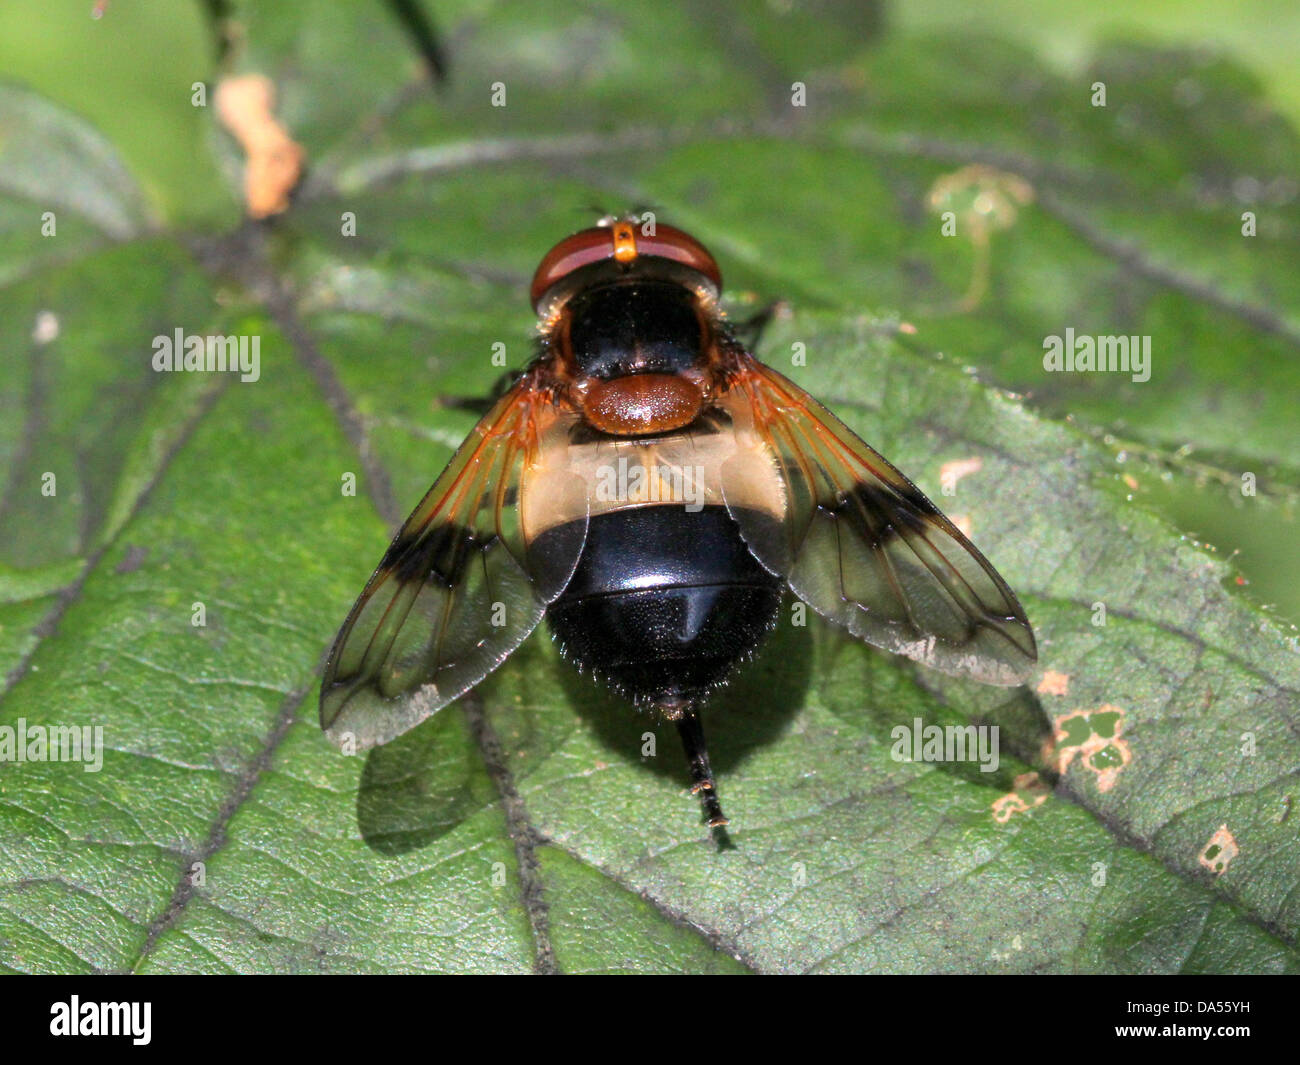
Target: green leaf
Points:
(182, 582)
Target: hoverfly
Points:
(651, 488)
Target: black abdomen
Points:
(664, 602)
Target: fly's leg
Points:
(683, 714)
(750, 331)
(480, 405)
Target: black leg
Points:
(697, 756)
(482, 404)
(750, 331)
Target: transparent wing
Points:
(862, 545)
(454, 595)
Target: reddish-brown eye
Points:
(624, 242)
(669, 242)
(572, 253)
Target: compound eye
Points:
(669, 242)
(572, 253)
(625, 242)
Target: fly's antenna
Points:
(603, 216)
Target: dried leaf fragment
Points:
(275, 161)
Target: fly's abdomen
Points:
(664, 601)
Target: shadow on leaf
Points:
(751, 711)
(420, 786)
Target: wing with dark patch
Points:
(864, 547)
(454, 595)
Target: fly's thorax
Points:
(635, 327)
(638, 354)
